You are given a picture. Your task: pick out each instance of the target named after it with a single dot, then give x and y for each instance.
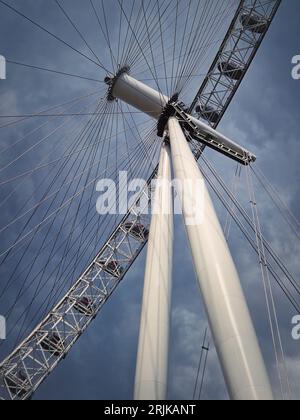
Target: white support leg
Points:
(152, 361)
(227, 310)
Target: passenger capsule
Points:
(112, 267)
(53, 344)
(254, 23)
(84, 306)
(137, 230)
(231, 70)
(208, 113)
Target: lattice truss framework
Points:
(233, 59)
(38, 355)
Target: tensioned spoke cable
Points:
(279, 203)
(120, 35)
(248, 221)
(73, 114)
(141, 50)
(206, 349)
(162, 46)
(93, 216)
(156, 29)
(249, 238)
(134, 124)
(53, 162)
(126, 43)
(62, 73)
(195, 38)
(149, 40)
(269, 294)
(137, 165)
(113, 60)
(63, 10)
(138, 71)
(136, 57)
(48, 243)
(135, 23)
(65, 232)
(58, 210)
(220, 16)
(57, 175)
(237, 177)
(206, 49)
(43, 242)
(52, 34)
(183, 38)
(45, 199)
(174, 45)
(36, 129)
(32, 147)
(92, 254)
(154, 25)
(141, 31)
(28, 201)
(55, 145)
(51, 109)
(62, 224)
(200, 365)
(229, 58)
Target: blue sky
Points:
(264, 117)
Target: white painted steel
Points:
(139, 95)
(205, 128)
(152, 361)
(226, 306)
(152, 103)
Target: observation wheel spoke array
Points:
(165, 47)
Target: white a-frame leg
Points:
(226, 306)
(153, 350)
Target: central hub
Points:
(161, 108)
(111, 81)
(142, 97)
(136, 94)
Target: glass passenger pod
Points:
(137, 230)
(208, 113)
(254, 23)
(53, 344)
(112, 267)
(85, 306)
(231, 70)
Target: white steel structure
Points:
(230, 322)
(226, 306)
(22, 372)
(152, 361)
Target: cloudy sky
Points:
(264, 117)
